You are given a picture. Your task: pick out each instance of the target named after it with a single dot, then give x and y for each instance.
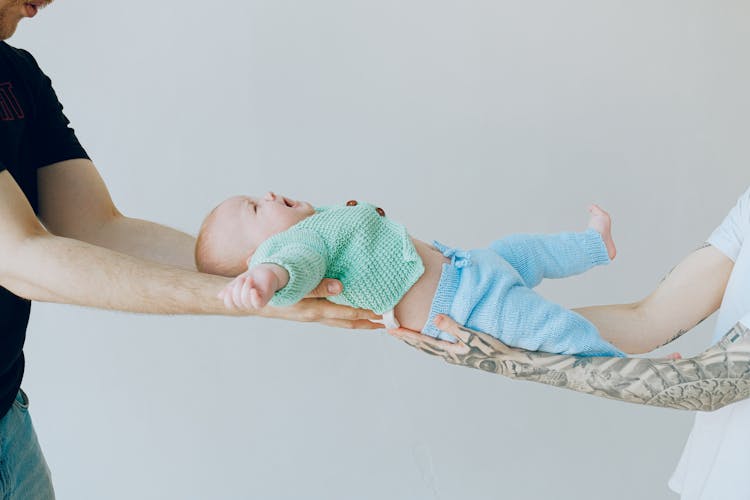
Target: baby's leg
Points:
(538, 256)
(529, 321)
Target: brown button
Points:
(351, 203)
(380, 212)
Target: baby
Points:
(280, 249)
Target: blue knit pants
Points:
(490, 290)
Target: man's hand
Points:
(255, 287)
(472, 348)
(315, 308)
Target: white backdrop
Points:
(465, 120)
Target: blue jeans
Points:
(23, 471)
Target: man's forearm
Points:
(55, 269)
(640, 327)
(708, 381)
(617, 323)
(687, 295)
(146, 240)
(82, 268)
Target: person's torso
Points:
(34, 133)
(716, 457)
(736, 301)
(17, 111)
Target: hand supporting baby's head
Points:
(233, 230)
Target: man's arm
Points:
(74, 202)
(689, 293)
(39, 265)
(713, 379)
(147, 240)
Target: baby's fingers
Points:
(239, 284)
(255, 299)
(246, 293)
(228, 294)
(227, 297)
(227, 290)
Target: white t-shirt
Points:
(715, 464)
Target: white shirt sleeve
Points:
(729, 236)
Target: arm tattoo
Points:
(667, 275)
(683, 331)
(675, 337)
(715, 378)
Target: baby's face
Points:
(248, 221)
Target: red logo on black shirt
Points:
(10, 108)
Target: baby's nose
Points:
(270, 196)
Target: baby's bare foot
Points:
(601, 223)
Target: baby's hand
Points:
(255, 287)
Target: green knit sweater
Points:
(371, 255)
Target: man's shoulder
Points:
(17, 51)
(21, 57)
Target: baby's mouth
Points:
(289, 203)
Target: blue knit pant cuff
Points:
(595, 248)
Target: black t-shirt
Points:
(33, 133)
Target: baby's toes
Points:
(598, 211)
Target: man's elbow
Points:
(643, 339)
(83, 226)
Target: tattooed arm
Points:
(713, 379)
(692, 291)
(689, 293)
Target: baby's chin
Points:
(307, 208)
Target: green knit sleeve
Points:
(303, 254)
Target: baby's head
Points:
(232, 231)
